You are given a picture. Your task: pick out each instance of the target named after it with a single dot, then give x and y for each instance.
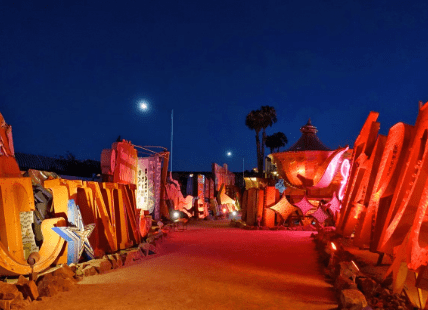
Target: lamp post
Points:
(144, 106)
(172, 134)
(228, 154)
(243, 169)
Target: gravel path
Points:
(210, 266)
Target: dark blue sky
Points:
(71, 74)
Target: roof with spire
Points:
(309, 140)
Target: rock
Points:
(89, 271)
(387, 282)
(379, 304)
(32, 290)
(9, 291)
(343, 283)
(345, 269)
(49, 285)
(309, 227)
(366, 285)
(5, 304)
(329, 272)
(119, 262)
(329, 229)
(345, 256)
(22, 280)
(47, 289)
(382, 292)
(133, 257)
(73, 267)
(240, 224)
(27, 288)
(153, 236)
(113, 261)
(65, 272)
(352, 299)
(19, 304)
(147, 248)
(101, 265)
(79, 270)
(123, 257)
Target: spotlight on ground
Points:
(176, 214)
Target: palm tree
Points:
(254, 122)
(259, 120)
(269, 118)
(276, 141)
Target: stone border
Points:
(354, 289)
(242, 224)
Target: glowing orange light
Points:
(353, 263)
(333, 246)
(224, 210)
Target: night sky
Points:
(72, 72)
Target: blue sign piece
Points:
(280, 186)
(76, 234)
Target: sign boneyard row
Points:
(65, 219)
(385, 203)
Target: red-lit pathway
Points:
(211, 266)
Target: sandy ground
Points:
(211, 266)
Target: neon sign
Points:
(344, 170)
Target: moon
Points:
(144, 106)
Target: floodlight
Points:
(176, 214)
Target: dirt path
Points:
(210, 266)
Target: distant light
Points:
(224, 210)
(144, 106)
(191, 175)
(234, 213)
(333, 246)
(176, 214)
(229, 153)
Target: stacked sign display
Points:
(108, 209)
(148, 183)
(222, 176)
(385, 202)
